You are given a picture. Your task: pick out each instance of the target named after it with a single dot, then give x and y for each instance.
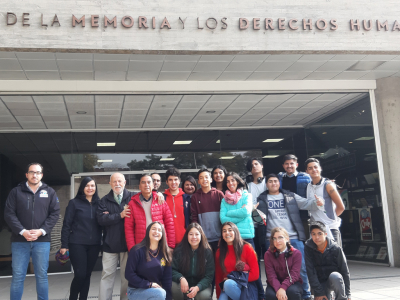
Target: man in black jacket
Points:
(32, 209)
(112, 211)
(326, 265)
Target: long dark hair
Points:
(240, 182)
(184, 251)
(213, 183)
(81, 193)
(238, 244)
(192, 181)
(162, 244)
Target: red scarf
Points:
(233, 198)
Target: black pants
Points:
(83, 259)
(214, 247)
(294, 292)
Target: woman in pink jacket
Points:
(282, 266)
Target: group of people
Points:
(194, 236)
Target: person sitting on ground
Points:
(148, 269)
(282, 267)
(233, 249)
(193, 266)
(326, 264)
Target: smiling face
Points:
(218, 175)
(280, 241)
(146, 185)
(232, 184)
(205, 179)
(188, 188)
(117, 183)
(194, 238)
(90, 188)
(228, 234)
(290, 166)
(313, 169)
(173, 183)
(155, 233)
(34, 175)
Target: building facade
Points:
(89, 87)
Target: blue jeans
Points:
(21, 253)
(231, 290)
(260, 289)
(146, 294)
(303, 272)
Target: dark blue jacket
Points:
(25, 210)
(186, 208)
(248, 289)
(113, 225)
(302, 179)
(80, 224)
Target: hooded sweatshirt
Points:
(175, 204)
(205, 208)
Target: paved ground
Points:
(368, 282)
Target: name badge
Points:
(43, 194)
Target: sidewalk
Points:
(368, 282)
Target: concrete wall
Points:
(388, 110)
(194, 39)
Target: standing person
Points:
(193, 266)
(81, 234)
(219, 178)
(178, 205)
(144, 210)
(232, 249)
(292, 180)
(189, 186)
(236, 207)
(326, 265)
(32, 209)
(111, 214)
(321, 187)
(205, 207)
(282, 210)
(282, 266)
(148, 269)
(256, 186)
(156, 181)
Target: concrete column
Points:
(387, 97)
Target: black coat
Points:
(113, 225)
(321, 265)
(25, 210)
(80, 224)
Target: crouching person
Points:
(193, 266)
(326, 266)
(282, 266)
(148, 269)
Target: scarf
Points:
(233, 198)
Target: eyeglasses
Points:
(280, 238)
(34, 173)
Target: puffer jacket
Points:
(135, 226)
(302, 180)
(238, 215)
(321, 265)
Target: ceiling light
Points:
(81, 112)
(272, 140)
(370, 154)
(226, 157)
(210, 111)
(350, 142)
(105, 144)
(324, 132)
(365, 138)
(104, 160)
(217, 142)
(270, 156)
(182, 142)
(167, 158)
